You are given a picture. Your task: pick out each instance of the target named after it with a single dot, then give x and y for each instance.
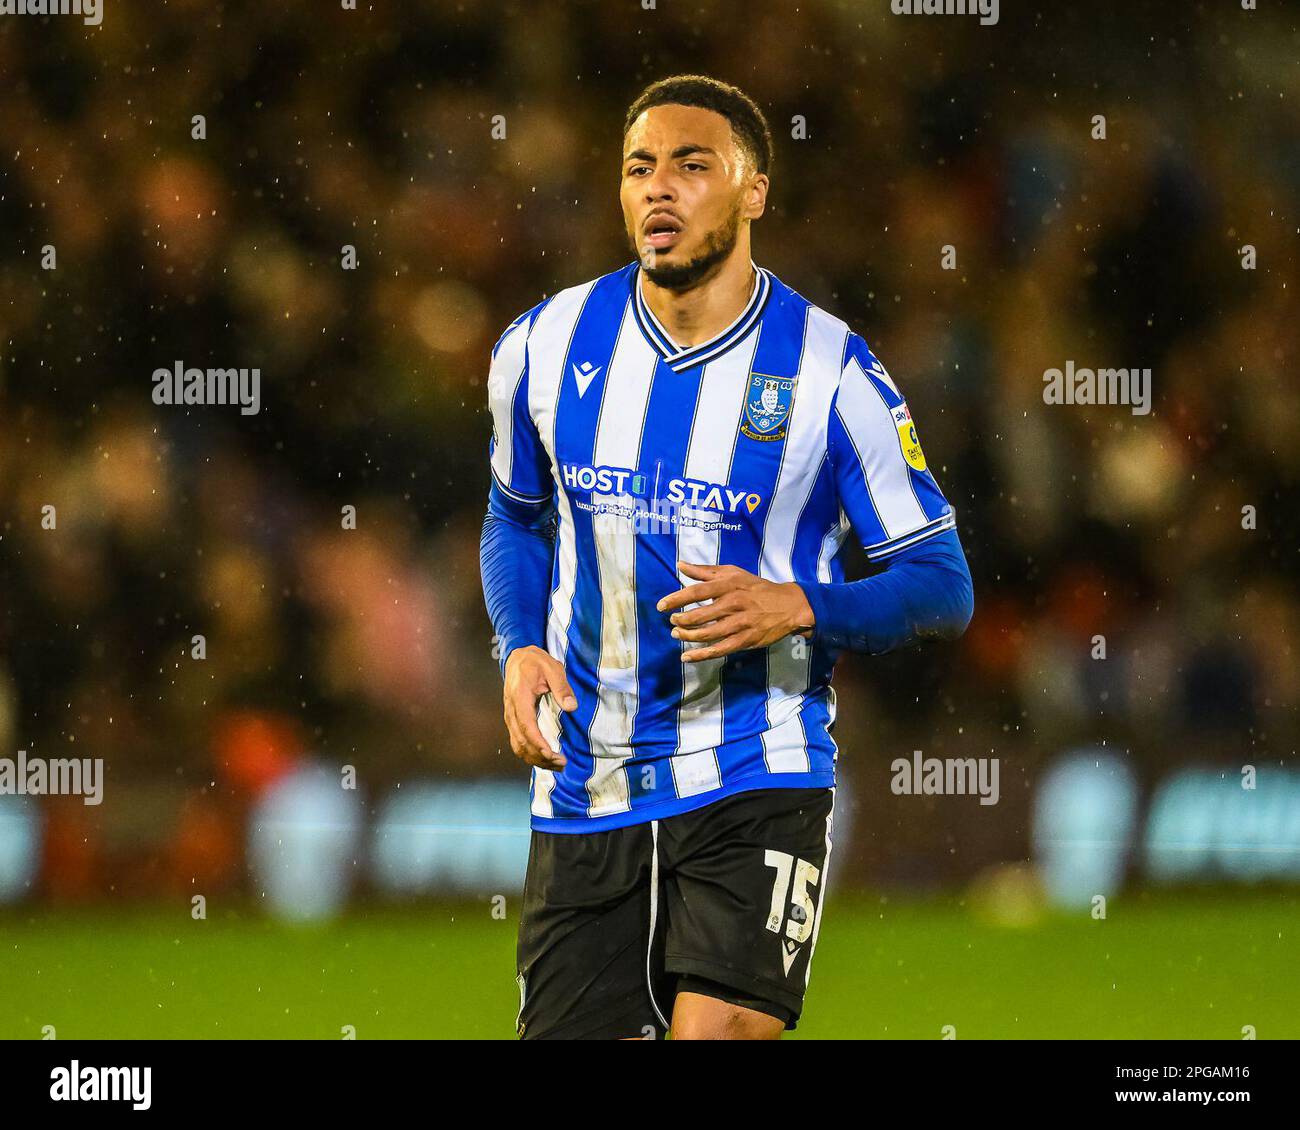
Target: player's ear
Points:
(756, 196)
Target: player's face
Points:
(687, 189)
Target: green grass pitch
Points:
(1184, 967)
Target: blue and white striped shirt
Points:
(760, 448)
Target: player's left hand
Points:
(743, 611)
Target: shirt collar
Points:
(678, 358)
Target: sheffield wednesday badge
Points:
(767, 407)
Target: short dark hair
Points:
(747, 121)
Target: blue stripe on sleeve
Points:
(515, 554)
(925, 591)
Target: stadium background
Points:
(370, 648)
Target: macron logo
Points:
(584, 374)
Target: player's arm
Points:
(925, 591)
(897, 511)
(516, 552)
(899, 515)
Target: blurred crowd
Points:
(470, 155)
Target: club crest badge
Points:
(767, 407)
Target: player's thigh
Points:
(706, 1010)
(744, 896)
(583, 937)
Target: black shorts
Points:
(724, 901)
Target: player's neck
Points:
(701, 313)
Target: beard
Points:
(718, 245)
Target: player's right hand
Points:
(530, 674)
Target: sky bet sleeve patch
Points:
(907, 437)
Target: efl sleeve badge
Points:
(907, 438)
